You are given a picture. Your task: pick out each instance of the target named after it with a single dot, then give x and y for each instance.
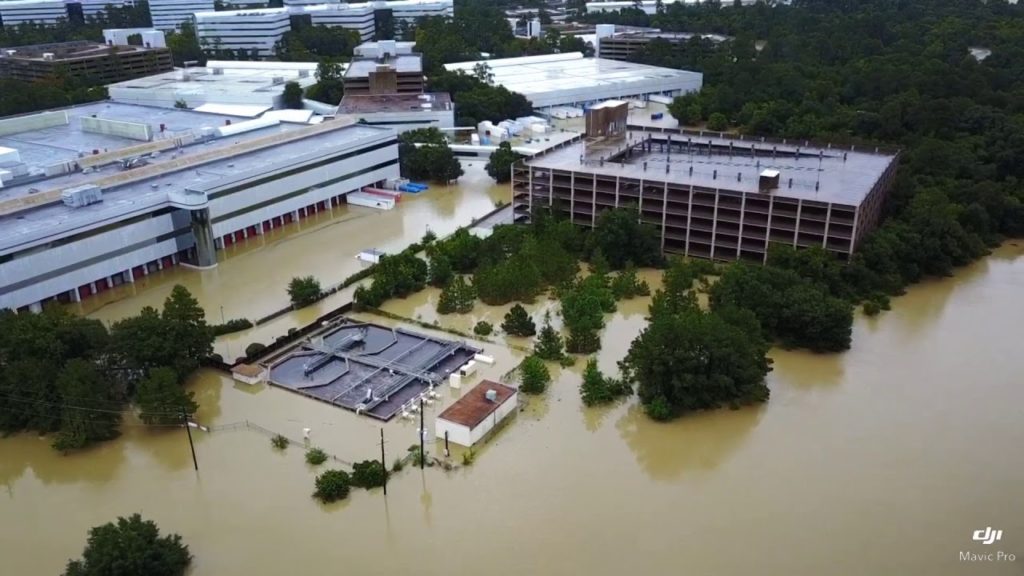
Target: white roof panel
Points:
(243, 110)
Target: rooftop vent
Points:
(768, 180)
(48, 56)
(278, 80)
(491, 395)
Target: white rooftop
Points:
(219, 82)
(560, 79)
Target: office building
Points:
(710, 196)
(617, 43)
(356, 17)
(255, 85)
(169, 14)
(571, 80)
(14, 12)
(89, 61)
(100, 194)
(651, 6)
(387, 74)
(254, 31)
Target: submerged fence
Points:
(247, 425)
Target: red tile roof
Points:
(474, 407)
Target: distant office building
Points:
(14, 12)
(389, 73)
(571, 80)
(95, 63)
(102, 194)
(169, 14)
(149, 37)
(613, 44)
(651, 6)
(710, 196)
(401, 112)
(255, 31)
(357, 17)
(255, 86)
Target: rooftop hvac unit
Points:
(278, 80)
(768, 180)
(218, 71)
(303, 73)
(80, 196)
(10, 52)
(48, 56)
(491, 395)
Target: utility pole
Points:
(188, 430)
(423, 434)
(383, 466)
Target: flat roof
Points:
(402, 63)
(258, 152)
(474, 407)
(220, 77)
(364, 104)
(371, 369)
(535, 76)
(64, 51)
(842, 176)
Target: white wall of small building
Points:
(465, 436)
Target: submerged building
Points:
(100, 194)
(712, 196)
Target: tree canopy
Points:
(131, 547)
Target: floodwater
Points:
(251, 278)
(882, 460)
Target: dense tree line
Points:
(476, 100)
(70, 376)
(424, 154)
(687, 359)
(87, 28)
(877, 71)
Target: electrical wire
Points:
(73, 407)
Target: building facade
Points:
(14, 12)
(169, 14)
(181, 207)
(401, 112)
(255, 31)
(714, 197)
(474, 415)
(96, 63)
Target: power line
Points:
(81, 408)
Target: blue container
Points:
(657, 116)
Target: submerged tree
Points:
(162, 399)
(549, 342)
(599, 389)
(131, 547)
(457, 297)
(304, 290)
(534, 375)
(518, 322)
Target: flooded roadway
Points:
(882, 460)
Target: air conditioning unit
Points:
(48, 56)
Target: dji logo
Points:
(988, 535)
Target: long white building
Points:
(358, 17)
(651, 6)
(169, 14)
(98, 195)
(571, 80)
(258, 30)
(14, 12)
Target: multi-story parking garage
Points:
(714, 197)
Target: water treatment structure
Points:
(370, 369)
(710, 195)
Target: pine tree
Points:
(458, 296)
(534, 375)
(594, 389)
(518, 322)
(440, 270)
(549, 342)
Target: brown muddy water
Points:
(882, 460)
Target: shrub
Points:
(332, 485)
(230, 326)
(368, 474)
(871, 308)
(316, 456)
(533, 375)
(255, 349)
(398, 465)
(279, 442)
(468, 457)
(304, 291)
(483, 328)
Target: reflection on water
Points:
(878, 461)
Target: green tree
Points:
(332, 485)
(598, 389)
(441, 272)
(186, 327)
(161, 398)
(549, 342)
(131, 547)
(534, 376)
(483, 328)
(304, 290)
(368, 474)
(292, 95)
(626, 285)
(518, 322)
(329, 87)
(457, 297)
(691, 360)
(718, 122)
(499, 165)
(623, 239)
(92, 409)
